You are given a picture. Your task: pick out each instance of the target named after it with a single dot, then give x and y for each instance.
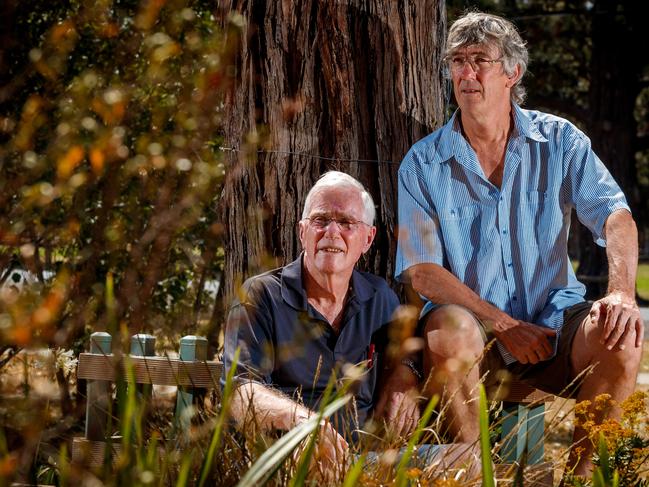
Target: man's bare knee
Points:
(589, 351)
(450, 330)
(452, 319)
(626, 361)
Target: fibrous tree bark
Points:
(347, 85)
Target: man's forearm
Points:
(442, 287)
(271, 409)
(621, 252)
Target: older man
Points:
(298, 325)
(484, 211)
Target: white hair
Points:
(337, 179)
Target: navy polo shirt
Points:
(287, 344)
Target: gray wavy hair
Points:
(480, 28)
(337, 179)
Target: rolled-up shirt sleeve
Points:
(420, 239)
(592, 190)
(249, 328)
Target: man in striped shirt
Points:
(484, 213)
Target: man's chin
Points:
(330, 263)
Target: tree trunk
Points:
(324, 85)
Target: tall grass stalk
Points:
(272, 458)
(604, 475)
(305, 459)
(128, 419)
(183, 476)
(401, 478)
(354, 473)
(64, 466)
(485, 446)
(220, 422)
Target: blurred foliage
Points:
(110, 117)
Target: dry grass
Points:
(18, 404)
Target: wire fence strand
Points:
(313, 156)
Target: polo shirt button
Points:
(510, 264)
(504, 232)
(514, 298)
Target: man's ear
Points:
(514, 77)
(301, 232)
(370, 238)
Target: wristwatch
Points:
(410, 363)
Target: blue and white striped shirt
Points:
(507, 244)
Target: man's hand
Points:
(398, 401)
(528, 343)
(617, 316)
(331, 445)
(329, 455)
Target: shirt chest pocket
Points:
(368, 360)
(465, 212)
(540, 223)
(536, 212)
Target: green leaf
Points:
(485, 446)
(183, 476)
(354, 472)
(401, 478)
(604, 460)
(272, 458)
(305, 461)
(220, 422)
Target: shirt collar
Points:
(293, 291)
(454, 144)
(525, 126)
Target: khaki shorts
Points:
(555, 375)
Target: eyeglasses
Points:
(345, 224)
(477, 62)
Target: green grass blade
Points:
(354, 473)
(305, 459)
(220, 422)
(111, 305)
(598, 478)
(604, 460)
(183, 475)
(127, 455)
(485, 445)
(64, 466)
(401, 478)
(130, 407)
(272, 458)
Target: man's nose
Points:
(468, 71)
(332, 227)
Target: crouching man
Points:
(299, 324)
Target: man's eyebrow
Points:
(473, 54)
(334, 214)
(481, 51)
